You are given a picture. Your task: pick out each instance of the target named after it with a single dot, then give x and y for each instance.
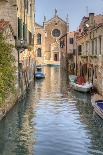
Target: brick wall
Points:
(8, 12)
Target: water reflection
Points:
(64, 82)
(52, 121)
(16, 131)
(94, 124)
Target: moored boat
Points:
(39, 73)
(86, 87)
(97, 103)
(79, 84)
(72, 78)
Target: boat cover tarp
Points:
(84, 85)
(100, 105)
(80, 80)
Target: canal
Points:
(52, 120)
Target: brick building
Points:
(47, 44)
(89, 50)
(21, 16)
(67, 50)
(8, 34)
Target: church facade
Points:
(46, 42)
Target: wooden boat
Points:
(98, 106)
(39, 73)
(79, 84)
(86, 87)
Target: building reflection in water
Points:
(16, 130)
(94, 124)
(64, 82)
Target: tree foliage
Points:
(7, 69)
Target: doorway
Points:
(56, 57)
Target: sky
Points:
(76, 9)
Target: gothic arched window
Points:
(39, 38)
(39, 52)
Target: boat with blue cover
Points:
(98, 107)
(39, 73)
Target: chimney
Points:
(91, 19)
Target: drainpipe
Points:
(66, 51)
(76, 53)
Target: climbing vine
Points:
(7, 69)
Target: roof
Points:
(70, 34)
(38, 25)
(98, 19)
(55, 17)
(91, 30)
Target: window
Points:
(79, 49)
(74, 51)
(95, 46)
(27, 6)
(62, 44)
(100, 44)
(89, 73)
(30, 10)
(86, 47)
(56, 33)
(95, 72)
(39, 52)
(39, 38)
(24, 31)
(71, 40)
(30, 37)
(92, 47)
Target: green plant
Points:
(84, 56)
(7, 69)
(30, 47)
(93, 56)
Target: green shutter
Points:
(19, 28)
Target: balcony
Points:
(93, 59)
(84, 58)
(93, 56)
(21, 44)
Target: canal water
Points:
(52, 120)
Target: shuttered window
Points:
(71, 41)
(19, 28)
(39, 52)
(39, 39)
(24, 31)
